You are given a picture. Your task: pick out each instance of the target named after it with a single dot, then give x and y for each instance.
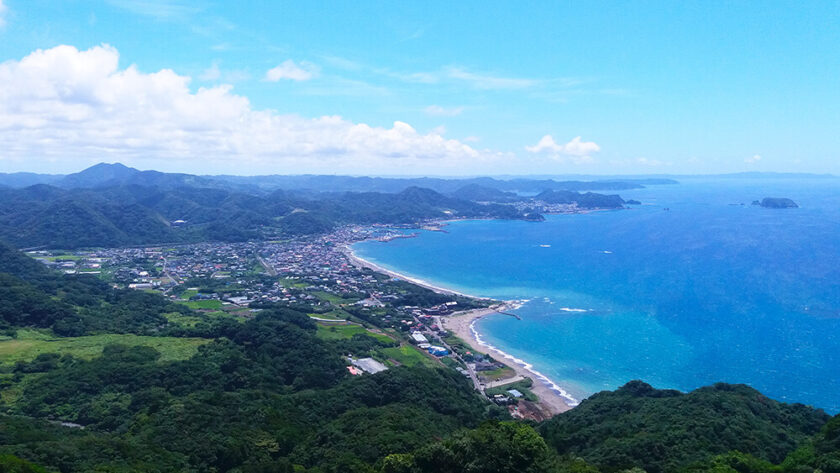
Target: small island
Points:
(776, 203)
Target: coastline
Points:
(553, 398)
(363, 263)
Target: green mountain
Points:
(135, 215)
(665, 430)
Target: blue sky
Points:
(440, 88)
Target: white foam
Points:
(569, 309)
(545, 379)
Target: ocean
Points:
(708, 290)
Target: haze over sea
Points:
(704, 292)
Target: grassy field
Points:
(189, 293)
(406, 355)
(334, 299)
(339, 332)
(31, 343)
(286, 282)
(336, 314)
(206, 304)
(522, 386)
(500, 373)
(185, 320)
(64, 258)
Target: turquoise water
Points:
(704, 292)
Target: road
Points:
(431, 335)
(164, 271)
(493, 384)
(269, 268)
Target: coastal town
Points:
(345, 295)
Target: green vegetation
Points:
(159, 387)
(498, 373)
(406, 355)
(140, 214)
(29, 344)
(679, 429)
(209, 304)
(340, 332)
(336, 315)
(334, 299)
(64, 258)
(523, 386)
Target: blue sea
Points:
(703, 292)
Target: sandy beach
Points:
(461, 325)
(552, 397)
(363, 263)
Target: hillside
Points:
(664, 430)
(134, 215)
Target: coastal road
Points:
(473, 376)
(502, 382)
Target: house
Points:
(438, 351)
(369, 365)
(418, 338)
(515, 393)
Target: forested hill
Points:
(32, 296)
(44, 215)
(134, 215)
(271, 394)
(665, 430)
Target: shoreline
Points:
(361, 262)
(552, 397)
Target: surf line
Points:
(571, 401)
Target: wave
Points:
(528, 366)
(569, 309)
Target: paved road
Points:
(168, 275)
(476, 383)
(503, 382)
(268, 267)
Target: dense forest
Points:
(270, 395)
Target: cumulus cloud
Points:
(438, 111)
(290, 71)
(575, 148)
(64, 103)
(753, 159)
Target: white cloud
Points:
(438, 111)
(63, 104)
(753, 159)
(575, 148)
(291, 71)
(159, 9)
(2, 14)
(215, 73)
(211, 73)
(489, 82)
